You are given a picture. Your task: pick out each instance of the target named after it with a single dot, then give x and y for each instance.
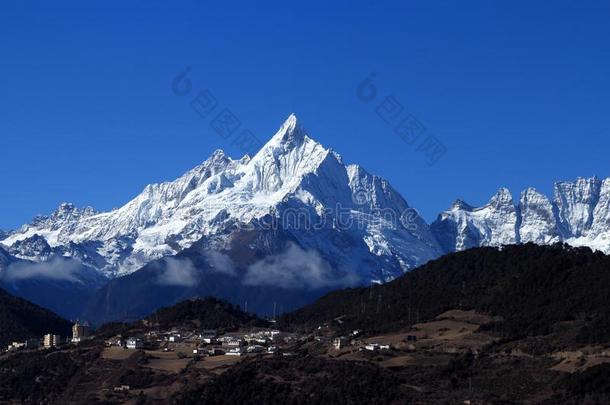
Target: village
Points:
(174, 349)
(168, 353)
(191, 342)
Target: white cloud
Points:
(297, 268)
(220, 263)
(54, 269)
(178, 272)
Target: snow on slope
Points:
(579, 215)
(351, 218)
(463, 226)
(290, 175)
(537, 221)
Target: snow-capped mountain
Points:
(578, 215)
(537, 222)
(463, 226)
(356, 222)
(338, 210)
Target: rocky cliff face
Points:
(464, 226)
(537, 222)
(579, 215)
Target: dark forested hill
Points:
(534, 288)
(207, 313)
(20, 319)
(194, 313)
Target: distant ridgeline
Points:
(533, 288)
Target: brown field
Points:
(116, 353)
(579, 360)
(167, 361)
(453, 330)
(218, 364)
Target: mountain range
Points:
(294, 220)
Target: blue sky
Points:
(517, 92)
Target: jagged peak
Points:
(245, 159)
(68, 208)
(532, 192)
(291, 133)
(217, 162)
(502, 197)
(65, 207)
(287, 157)
(218, 154)
(531, 195)
(579, 181)
(584, 189)
(218, 158)
(459, 204)
(35, 239)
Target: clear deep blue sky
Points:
(518, 92)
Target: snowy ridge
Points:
(290, 172)
(578, 215)
(354, 220)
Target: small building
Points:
(232, 341)
(236, 351)
(115, 341)
(340, 342)
(15, 346)
(209, 340)
(135, 343)
(175, 338)
(51, 340)
(255, 349)
(272, 349)
(270, 333)
(80, 331)
(259, 341)
(376, 346)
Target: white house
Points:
(236, 351)
(231, 341)
(376, 346)
(340, 342)
(135, 343)
(255, 349)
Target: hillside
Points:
(20, 319)
(190, 314)
(525, 324)
(206, 313)
(535, 289)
